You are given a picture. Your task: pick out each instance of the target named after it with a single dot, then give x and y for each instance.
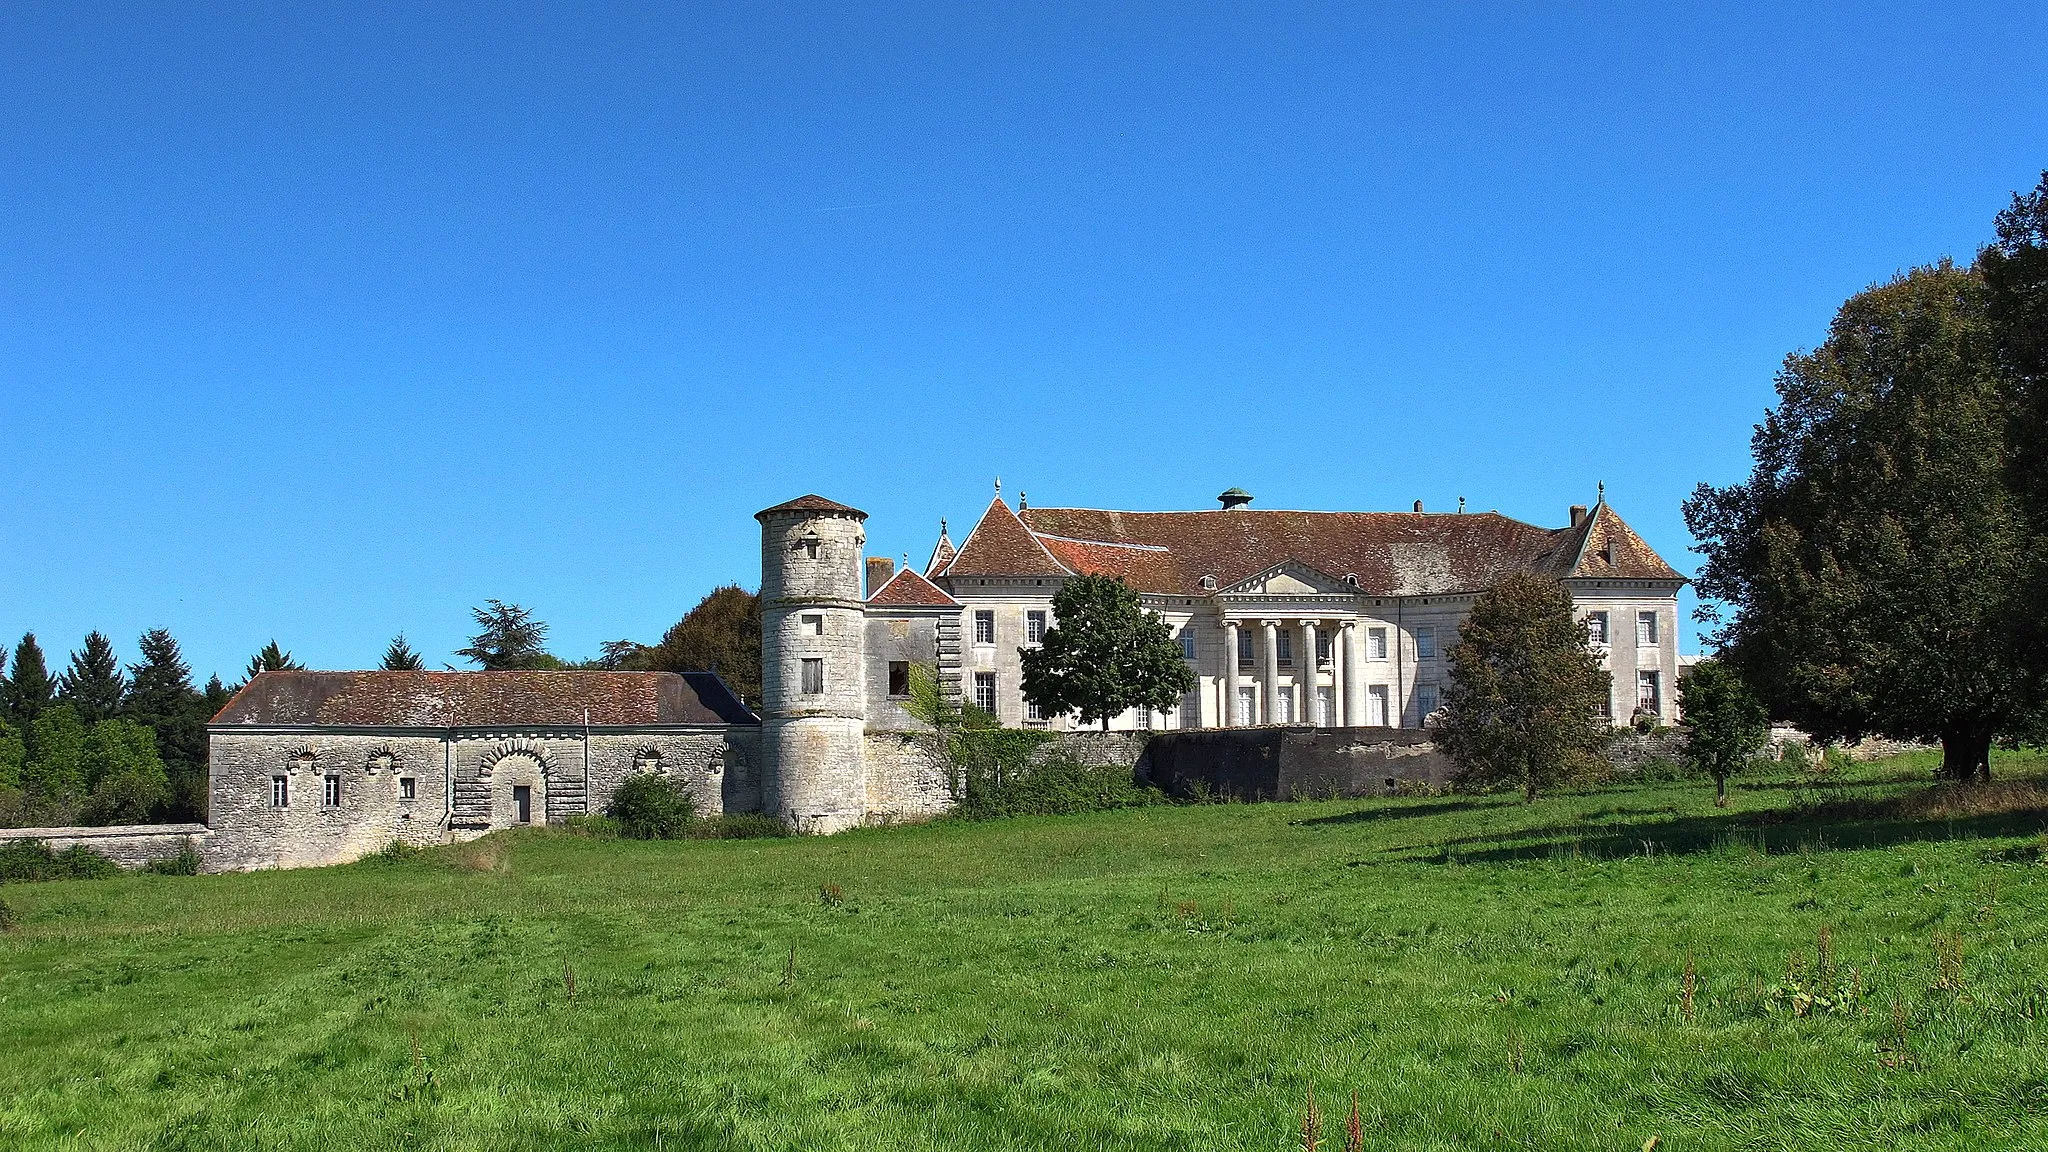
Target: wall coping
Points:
(105, 832)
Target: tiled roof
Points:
(811, 503)
(942, 553)
(1002, 546)
(1611, 548)
(1391, 553)
(907, 589)
(474, 699)
(1144, 567)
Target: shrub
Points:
(395, 852)
(32, 860)
(649, 807)
(1792, 754)
(184, 863)
(1058, 784)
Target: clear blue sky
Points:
(329, 322)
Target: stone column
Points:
(1270, 637)
(1354, 678)
(1307, 680)
(1229, 717)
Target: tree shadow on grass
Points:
(1397, 812)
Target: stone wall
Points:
(1294, 763)
(906, 778)
(129, 845)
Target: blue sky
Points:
(325, 323)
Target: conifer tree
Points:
(93, 684)
(400, 657)
(29, 690)
(161, 697)
(217, 696)
(271, 658)
(510, 639)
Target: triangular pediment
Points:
(1291, 578)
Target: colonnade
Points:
(1271, 702)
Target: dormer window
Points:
(1208, 583)
(810, 543)
(1351, 579)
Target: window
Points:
(1034, 628)
(1247, 707)
(280, 791)
(984, 626)
(1376, 644)
(1244, 649)
(1425, 699)
(1187, 643)
(330, 790)
(408, 788)
(1596, 628)
(985, 691)
(1191, 711)
(1425, 643)
(1283, 645)
(1376, 705)
(1323, 646)
(814, 677)
(1034, 711)
(1646, 628)
(814, 625)
(1285, 702)
(1326, 705)
(1604, 710)
(899, 677)
(1147, 719)
(1648, 699)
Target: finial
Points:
(999, 485)
(1603, 491)
(942, 525)
(1023, 501)
(1461, 505)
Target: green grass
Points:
(1484, 974)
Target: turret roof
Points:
(812, 503)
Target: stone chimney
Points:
(1234, 498)
(1418, 505)
(1578, 515)
(880, 568)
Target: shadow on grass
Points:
(1397, 812)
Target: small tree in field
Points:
(1725, 725)
(1106, 655)
(1520, 706)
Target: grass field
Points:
(1484, 974)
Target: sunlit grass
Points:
(1483, 973)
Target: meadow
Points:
(1848, 961)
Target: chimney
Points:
(880, 568)
(1578, 515)
(1234, 498)
(1418, 505)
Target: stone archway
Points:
(517, 774)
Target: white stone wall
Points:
(906, 780)
(811, 609)
(129, 845)
(909, 636)
(1623, 657)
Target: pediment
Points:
(1291, 578)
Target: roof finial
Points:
(1461, 505)
(1603, 492)
(999, 486)
(942, 525)
(1023, 501)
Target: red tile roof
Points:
(811, 503)
(1611, 548)
(1144, 567)
(471, 699)
(1002, 546)
(942, 553)
(907, 589)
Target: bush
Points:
(738, 826)
(185, 863)
(1057, 785)
(649, 807)
(1794, 757)
(32, 860)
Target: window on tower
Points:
(814, 677)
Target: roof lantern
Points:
(1234, 498)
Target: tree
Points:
(650, 807)
(1867, 577)
(270, 658)
(161, 697)
(13, 755)
(29, 690)
(124, 776)
(1521, 707)
(510, 639)
(400, 657)
(721, 634)
(55, 770)
(1726, 726)
(1106, 655)
(216, 695)
(93, 684)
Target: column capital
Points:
(1347, 625)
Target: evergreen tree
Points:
(124, 774)
(93, 684)
(721, 634)
(1874, 562)
(55, 769)
(400, 657)
(511, 639)
(217, 696)
(1105, 655)
(29, 689)
(1725, 725)
(161, 697)
(271, 658)
(1520, 708)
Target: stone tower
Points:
(813, 665)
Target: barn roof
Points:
(479, 699)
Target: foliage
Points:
(13, 755)
(124, 774)
(1055, 785)
(1520, 708)
(33, 860)
(93, 684)
(185, 862)
(722, 634)
(1726, 726)
(1104, 655)
(29, 689)
(161, 696)
(270, 658)
(1868, 574)
(508, 639)
(215, 696)
(56, 756)
(399, 656)
(650, 807)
